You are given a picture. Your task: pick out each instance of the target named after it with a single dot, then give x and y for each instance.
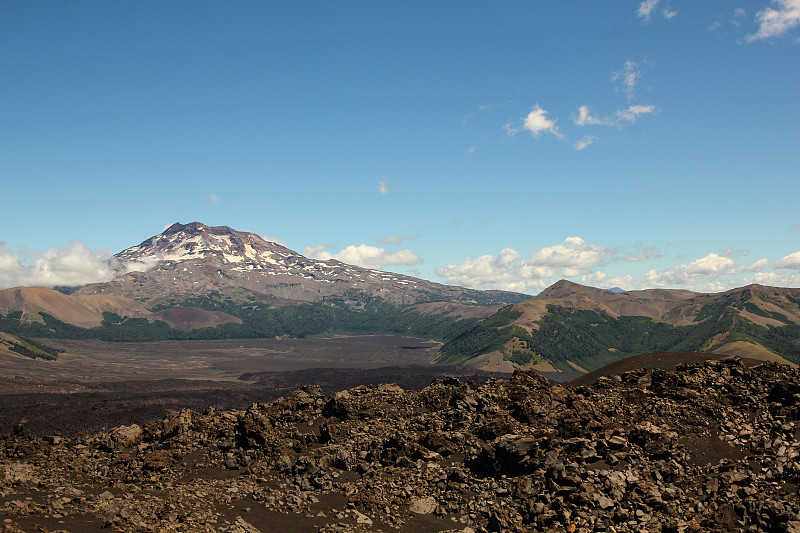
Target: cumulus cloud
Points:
(72, 266)
(714, 272)
(758, 266)
(585, 118)
(537, 123)
(702, 270)
(774, 22)
(509, 271)
(791, 261)
(574, 253)
(314, 251)
(591, 264)
(584, 142)
(506, 271)
(366, 256)
(777, 279)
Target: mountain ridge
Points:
(570, 326)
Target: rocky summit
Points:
(708, 447)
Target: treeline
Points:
(30, 348)
(316, 319)
(591, 339)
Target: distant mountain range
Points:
(204, 282)
(231, 283)
(572, 327)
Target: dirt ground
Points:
(96, 361)
(95, 385)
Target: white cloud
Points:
(585, 118)
(632, 113)
(627, 78)
(397, 239)
(366, 256)
(758, 266)
(213, 198)
(471, 149)
(506, 271)
(791, 261)
(72, 265)
(646, 8)
(383, 186)
(622, 116)
(777, 279)
(509, 271)
(715, 26)
(574, 252)
(586, 263)
(537, 123)
(776, 22)
(584, 142)
(313, 251)
(714, 272)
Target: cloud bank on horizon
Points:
(574, 259)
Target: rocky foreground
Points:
(708, 447)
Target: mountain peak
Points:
(181, 242)
(564, 288)
(199, 227)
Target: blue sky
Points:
(487, 144)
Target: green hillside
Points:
(258, 321)
(14, 344)
(592, 339)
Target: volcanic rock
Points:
(519, 454)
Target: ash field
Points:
(94, 385)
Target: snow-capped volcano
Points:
(193, 259)
(194, 241)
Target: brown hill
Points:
(738, 322)
(671, 305)
(81, 310)
(674, 306)
(650, 361)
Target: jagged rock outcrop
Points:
(708, 447)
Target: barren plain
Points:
(96, 385)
